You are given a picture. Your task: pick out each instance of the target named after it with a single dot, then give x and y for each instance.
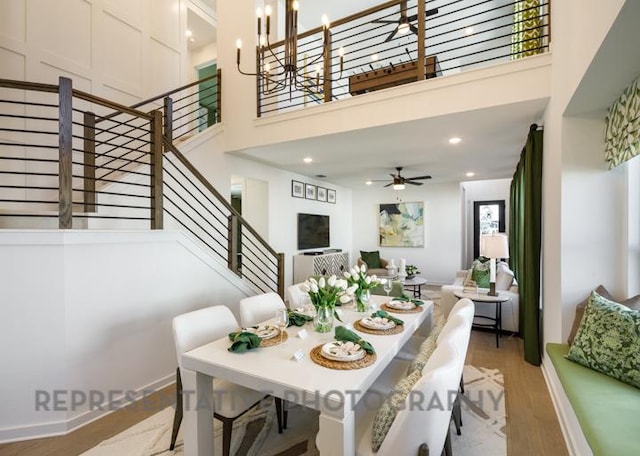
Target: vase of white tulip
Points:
(325, 295)
(358, 277)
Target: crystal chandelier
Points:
(281, 73)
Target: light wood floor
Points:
(532, 425)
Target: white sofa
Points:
(510, 309)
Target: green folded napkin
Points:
(345, 335)
(384, 314)
(298, 319)
(404, 298)
(243, 341)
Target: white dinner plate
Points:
(263, 332)
(377, 323)
(342, 351)
(401, 305)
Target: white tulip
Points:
(332, 280)
(321, 282)
(352, 289)
(353, 270)
(383, 281)
(367, 280)
(347, 274)
(313, 280)
(374, 277)
(345, 299)
(314, 288)
(363, 268)
(354, 276)
(304, 287)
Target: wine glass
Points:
(387, 286)
(282, 321)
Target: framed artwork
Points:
(297, 189)
(331, 196)
(321, 194)
(488, 218)
(310, 191)
(401, 225)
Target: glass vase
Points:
(323, 320)
(362, 301)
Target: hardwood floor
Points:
(532, 425)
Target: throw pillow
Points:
(608, 340)
(504, 276)
(480, 272)
(393, 403)
(427, 347)
(371, 259)
(633, 303)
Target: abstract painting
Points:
(401, 225)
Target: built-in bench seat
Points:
(607, 410)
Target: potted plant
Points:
(411, 270)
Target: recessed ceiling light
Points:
(368, 182)
(188, 33)
(471, 174)
(454, 140)
(307, 159)
(468, 31)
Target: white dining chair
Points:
(259, 308)
(191, 330)
(418, 428)
(296, 297)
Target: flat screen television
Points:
(313, 231)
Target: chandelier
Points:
(281, 73)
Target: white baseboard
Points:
(57, 428)
(573, 436)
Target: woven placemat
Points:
(415, 310)
(317, 358)
(395, 330)
(275, 340)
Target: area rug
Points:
(483, 414)
(152, 436)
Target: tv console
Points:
(305, 266)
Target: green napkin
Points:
(345, 335)
(406, 298)
(243, 341)
(384, 314)
(298, 319)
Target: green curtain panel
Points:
(622, 133)
(525, 239)
(527, 29)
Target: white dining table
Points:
(275, 371)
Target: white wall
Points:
(486, 190)
(90, 325)
(439, 259)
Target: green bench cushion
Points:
(608, 410)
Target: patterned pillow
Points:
(608, 340)
(426, 350)
(393, 403)
(480, 273)
(633, 303)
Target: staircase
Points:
(85, 162)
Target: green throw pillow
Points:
(372, 259)
(389, 409)
(480, 272)
(608, 340)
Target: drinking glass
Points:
(282, 321)
(387, 286)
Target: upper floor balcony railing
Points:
(397, 43)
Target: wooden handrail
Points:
(203, 180)
(171, 92)
(22, 85)
(110, 104)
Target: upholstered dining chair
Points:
(296, 297)
(191, 330)
(257, 309)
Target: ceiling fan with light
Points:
(404, 22)
(399, 181)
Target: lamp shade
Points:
(494, 245)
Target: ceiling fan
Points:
(404, 22)
(399, 181)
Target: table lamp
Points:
(494, 246)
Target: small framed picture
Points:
(310, 191)
(297, 189)
(321, 194)
(331, 196)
